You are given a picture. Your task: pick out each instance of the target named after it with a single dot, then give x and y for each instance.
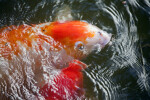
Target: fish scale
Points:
(43, 48)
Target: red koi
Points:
(67, 85)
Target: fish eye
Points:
(79, 45)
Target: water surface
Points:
(121, 70)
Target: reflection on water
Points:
(119, 71)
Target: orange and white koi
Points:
(77, 38)
(36, 48)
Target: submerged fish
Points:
(71, 39)
(67, 85)
(28, 52)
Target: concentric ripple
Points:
(119, 72)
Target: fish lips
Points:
(105, 40)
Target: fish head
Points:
(79, 38)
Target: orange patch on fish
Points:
(70, 31)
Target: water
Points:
(120, 71)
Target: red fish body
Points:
(67, 85)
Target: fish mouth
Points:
(105, 40)
(101, 43)
(101, 36)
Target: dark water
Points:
(120, 71)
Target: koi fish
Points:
(74, 39)
(67, 85)
(27, 52)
